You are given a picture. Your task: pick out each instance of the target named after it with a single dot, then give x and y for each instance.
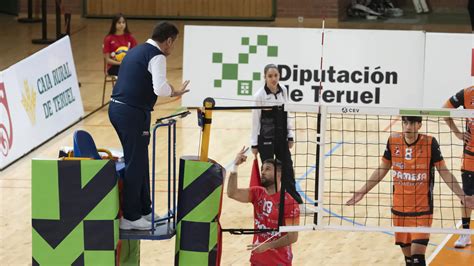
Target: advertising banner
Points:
(360, 67)
(448, 67)
(39, 97)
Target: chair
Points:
(84, 146)
(107, 78)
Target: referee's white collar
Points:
(152, 42)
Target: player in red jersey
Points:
(269, 248)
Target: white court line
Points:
(441, 245)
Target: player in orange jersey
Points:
(412, 157)
(464, 98)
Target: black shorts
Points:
(468, 182)
(113, 70)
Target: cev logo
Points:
(346, 110)
(232, 70)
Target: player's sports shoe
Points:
(463, 241)
(148, 217)
(140, 224)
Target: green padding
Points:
(177, 243)
(64, 254)
(130, 253)
(212, 235)
(116, 232)
(108, 207)
(89, 168)
(99, 257)
(193, 170)
(425, 112)
(193, 258)
(44, 190)
(207, 210)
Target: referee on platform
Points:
(141, 79)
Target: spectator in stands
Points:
(119, 35)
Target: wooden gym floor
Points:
(325, 248)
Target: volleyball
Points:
(120, 53)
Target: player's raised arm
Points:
(233, 190)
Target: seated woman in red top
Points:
(119, 35)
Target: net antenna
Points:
(339, 147)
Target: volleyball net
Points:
(338, 148)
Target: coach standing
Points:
(141, 79)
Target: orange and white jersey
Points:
(465, 98)
(412, 173)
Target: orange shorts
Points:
(405, 239)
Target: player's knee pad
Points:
(403, 245)
(423, 242)
(468, 182)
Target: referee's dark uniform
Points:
(132, 101)
(270, 135)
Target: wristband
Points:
(234, 168)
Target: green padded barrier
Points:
(198, 235)
(75, 207)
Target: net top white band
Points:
(372, 110)
(310, 227)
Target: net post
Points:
(280, 152)
(319, 182)
(208, 103)
(318, 166)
